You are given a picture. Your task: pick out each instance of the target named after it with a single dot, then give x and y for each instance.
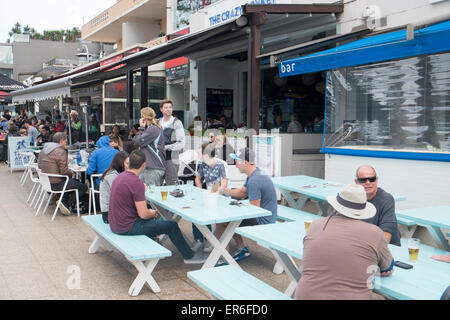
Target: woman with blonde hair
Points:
(150, 141)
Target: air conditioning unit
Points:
(372, 15)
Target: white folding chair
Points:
(23, 155)
(35, 180)
(47, 188)
(92, 192)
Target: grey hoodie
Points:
(105, 189)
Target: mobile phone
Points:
(402, 265)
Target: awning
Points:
(8, 84)
(388, 46)
(48, 90)
(178, 47)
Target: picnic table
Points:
(426, 280)
(433, 218)
(312, 188)
(196, 207)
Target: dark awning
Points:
(387, 46)
(178, 47)
(8, 84)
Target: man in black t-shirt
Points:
(383, 201)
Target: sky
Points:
(48, 15)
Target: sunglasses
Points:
(371, 179)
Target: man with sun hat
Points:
(341, 253)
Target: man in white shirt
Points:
(173, 133)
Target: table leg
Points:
(291, 270)
(439, 237)
(219, 246)
(292, 203)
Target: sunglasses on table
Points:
(371, 179)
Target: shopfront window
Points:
(401, 105)
(292, 104)
(115, 110)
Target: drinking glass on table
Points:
(189, 189)
(413, 249)
(164, 193)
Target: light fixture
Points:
(194, 98)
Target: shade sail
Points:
(383, 47)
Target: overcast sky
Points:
(48, 14)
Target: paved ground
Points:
(38, 257)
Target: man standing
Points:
(384, 203)
(173, 132)
(260, 191)
(53, 159)
(31, 131)
(129, 215)
(341, 253)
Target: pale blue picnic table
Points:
(311, 188)
(427, 280)
(198, 210)
(434, 218)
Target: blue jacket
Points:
(101, 158)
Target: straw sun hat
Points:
(351, 202)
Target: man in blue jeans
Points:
(129, 215)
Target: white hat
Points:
(351, 202)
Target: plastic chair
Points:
(47, 187)
(92, 192)
(32, 157)
(35, 180)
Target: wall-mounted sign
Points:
(224, 11)
(178, 72)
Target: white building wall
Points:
(397, 13)
(423, 183)
(138, 32)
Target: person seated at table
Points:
(116, 132)
(260, 191)
(53, 159)
(341, 252)
(128, 213)
(384, 202)
(102, 156)
(223, 149)
(4, 124)
(44, 137)
(118, 165)
(31, 131)
(213, 172)
(59, 126)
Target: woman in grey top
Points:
(118, 164)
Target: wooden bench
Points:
(141, 251)
(291, 214)
(232, 283)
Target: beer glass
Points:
(164, 193)
(413, 248)
(307, 224)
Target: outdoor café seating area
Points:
(52, 256)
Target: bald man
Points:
(384, 203)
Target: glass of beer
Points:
(307, 224)
(164, 193)
(413, 248)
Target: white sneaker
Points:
(208, 247)
(197, 245)
(64, 210)
(196, 259)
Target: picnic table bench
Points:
(141, 251)
(232, 283)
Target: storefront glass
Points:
(400, 105)
(292, 104)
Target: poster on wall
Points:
(15, 146)
(267, 150)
